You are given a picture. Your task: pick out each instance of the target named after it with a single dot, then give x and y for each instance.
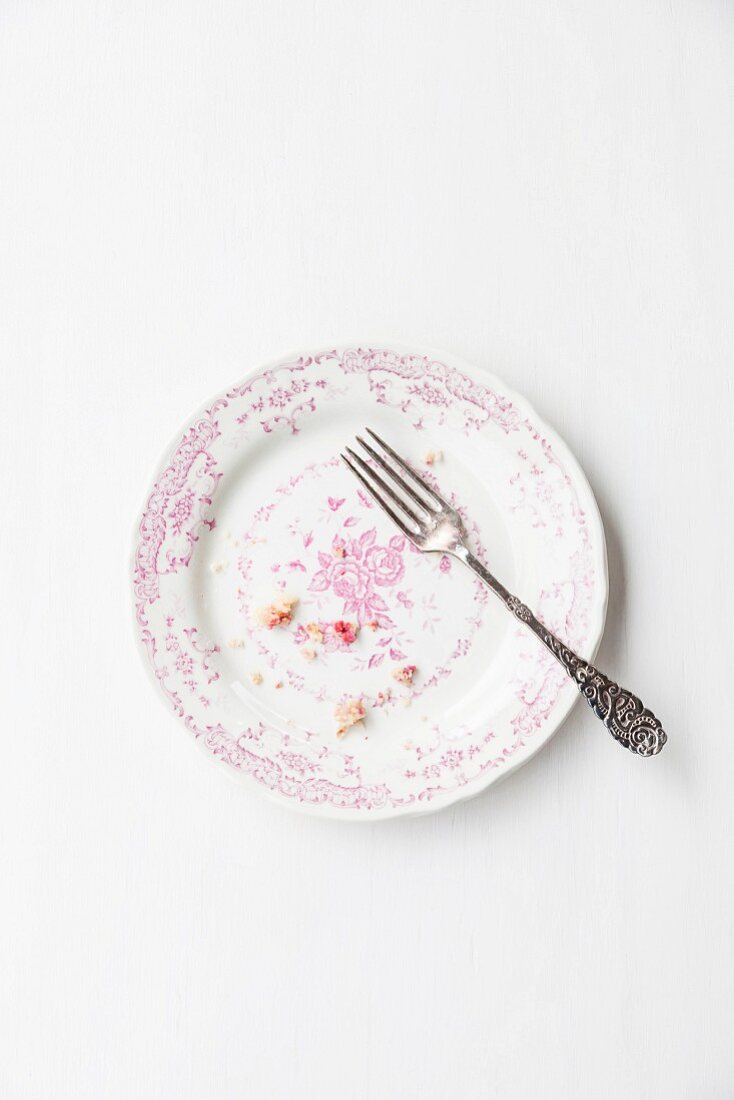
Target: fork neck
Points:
(464, 554)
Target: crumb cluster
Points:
(277, 613)
(346, 631)
(348, 713)
(331, 636)
(336, 635)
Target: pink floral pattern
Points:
(351, 574)
(164, 546)
(363, 576)
(331, 640)
(358, 571)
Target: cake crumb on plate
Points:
(348, 713)
(347, 632)
(404, 674)
(277, 613)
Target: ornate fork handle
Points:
(624, 715)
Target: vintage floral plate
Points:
(251, 502)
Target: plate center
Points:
(368, 606)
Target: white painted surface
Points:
(545, 189)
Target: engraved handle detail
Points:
(624, 715)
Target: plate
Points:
(251, 504)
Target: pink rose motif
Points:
(385, 565)
(350, 580)
(354, 568)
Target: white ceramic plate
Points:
(251, 502)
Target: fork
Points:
(433, 526)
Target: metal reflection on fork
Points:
(434, 526)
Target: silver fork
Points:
(433, 526)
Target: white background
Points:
(543, 188)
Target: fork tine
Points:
(427, 489)
(372, 475)
(378, 500)
(399, 481)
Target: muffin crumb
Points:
(347, 632)
(277, 613)
(348, 713)
(404, 674)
